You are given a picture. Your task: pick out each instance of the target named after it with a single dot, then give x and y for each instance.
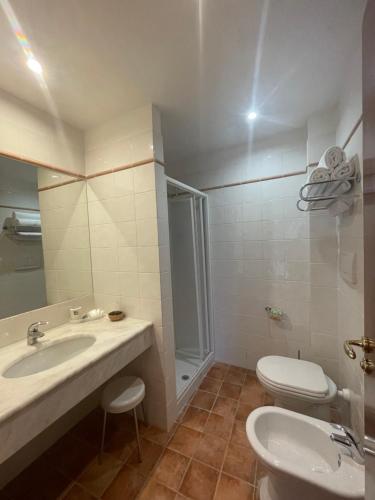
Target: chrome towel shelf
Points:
(321, 194)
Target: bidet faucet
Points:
(33, 333)
(350, 442)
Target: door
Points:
(186, 313)
(369, 235)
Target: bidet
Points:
(301, 459)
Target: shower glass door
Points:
(191, 305)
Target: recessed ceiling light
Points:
(252, 115)
(34, 65)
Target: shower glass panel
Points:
(188, 243)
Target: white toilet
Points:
(302, 461)
(297, 385)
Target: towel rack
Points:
(325, 191)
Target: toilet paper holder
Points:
(274, 313)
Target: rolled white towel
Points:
(343, 171)
(340, 205)
(320, 174)
(333, 157)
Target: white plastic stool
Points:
(121, 395)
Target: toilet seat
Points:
(278, 390)
(294, 376)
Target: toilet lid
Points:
(294, 374)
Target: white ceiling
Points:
(195, 59)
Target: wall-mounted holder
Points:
(274, 313)
(320, 195)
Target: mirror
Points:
(44, 239)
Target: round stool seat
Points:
(123, 394)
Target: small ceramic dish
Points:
(116, 315)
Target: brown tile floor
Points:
(205, 456)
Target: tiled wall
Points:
(265, 252)
(45, 139)
(274, 156)
(350, 306)
(66, 242)
(130, 243)
(131, 267)
(127, 139)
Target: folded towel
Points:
(320, 174)
(332, 157)
(340, 205)
(343, 171)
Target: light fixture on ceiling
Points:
(34, 65)
(252, 115)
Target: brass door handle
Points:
(367, 365)
(365, 343)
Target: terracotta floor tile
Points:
(211, 450)
(78, 493)
(233, 488)
(150, 454)
(185, 441)
(222, 366)
(195, 418)
(210, 384)
(225, 407)
(269, 400)
(89, 428)
(217, 372)
(219, 426)
(38, 481)
(240, 462)
(261, 472)
(235, 378)
(97, 477)
(251, 380)
(156, 491)
(239, 435)
(171, 469)
(127, 484)
(230, 390)
(203, 400)
(244, 410)
(157, 435)
(253, 395)
(120, 439)
(71, 456)
(199, 482)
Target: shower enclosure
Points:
(188, 227)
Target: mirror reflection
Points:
(44, 240)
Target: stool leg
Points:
(137, 432)
(103, 437)
(144, 414)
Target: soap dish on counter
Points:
(116, 315)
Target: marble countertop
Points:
(17, 393)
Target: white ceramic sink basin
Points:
(46, 357)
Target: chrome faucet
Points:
(349, 441)
(33, 333)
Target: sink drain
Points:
(185, 377)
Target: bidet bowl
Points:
(49, 356)
(302, 460)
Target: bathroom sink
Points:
(46, 357)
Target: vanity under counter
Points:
(30, 403)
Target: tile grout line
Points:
(225, 453)
(191, 458)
